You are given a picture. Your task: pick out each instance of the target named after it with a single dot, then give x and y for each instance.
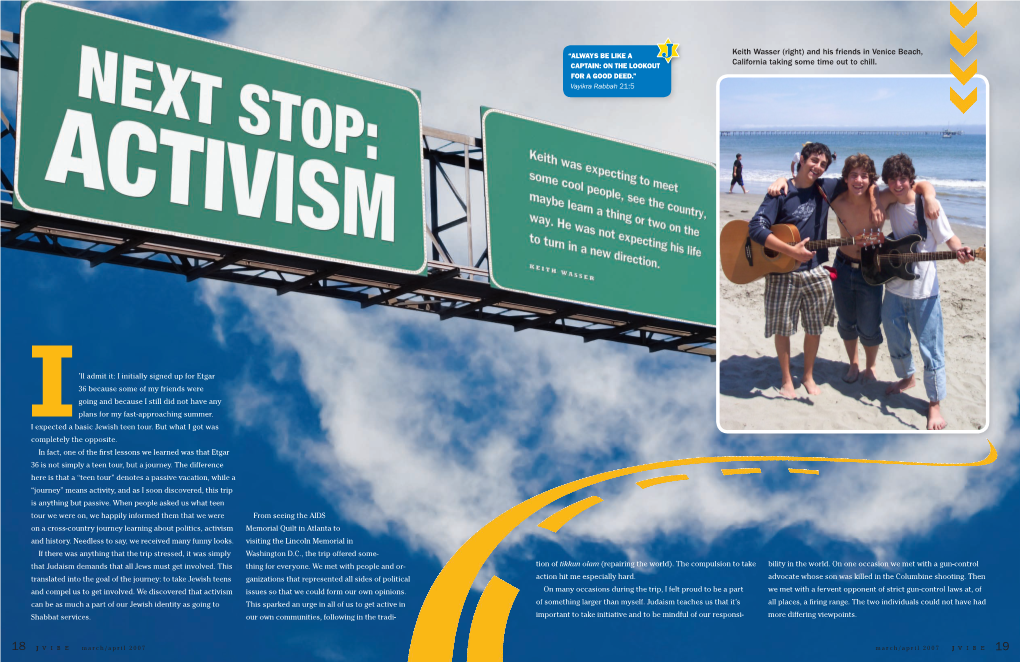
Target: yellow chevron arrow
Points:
(963, 47)
(963, 18)
(963, 104)
(962, 75)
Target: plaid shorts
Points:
(804, 293)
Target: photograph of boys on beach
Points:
(853, 255)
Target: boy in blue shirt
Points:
(804, 293)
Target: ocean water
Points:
(955, 166)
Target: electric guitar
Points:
(745, 260)
(895, 257)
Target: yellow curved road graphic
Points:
(436, 629)
(561, 517)
(485, 642)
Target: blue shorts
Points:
(858, 305)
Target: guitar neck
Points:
(828, 243)
(920, 257)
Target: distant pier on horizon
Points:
(845, 132)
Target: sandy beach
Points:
(749, 377)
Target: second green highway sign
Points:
(588, 219)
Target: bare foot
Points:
(900, 386)
(868, 376)
(811, 387)
(851, 373)
(787, 391)
(935, 420)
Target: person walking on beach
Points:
(738, 175)
(796, 160)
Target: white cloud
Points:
(880, 94)
(466, 55)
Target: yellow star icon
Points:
(667, 52)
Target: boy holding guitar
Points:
(915, 304)
(804, 293)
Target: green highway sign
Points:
(589, 219)
(140, 127)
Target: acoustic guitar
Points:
(745, 260)
(895, 259)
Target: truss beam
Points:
(430, 280)
(126, 247)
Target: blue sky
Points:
(411, 433)
(846, 102)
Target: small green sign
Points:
(589, 219)
(135, 126)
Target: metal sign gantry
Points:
(456, 284)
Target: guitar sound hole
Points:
(895, 259)
(769, 253)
